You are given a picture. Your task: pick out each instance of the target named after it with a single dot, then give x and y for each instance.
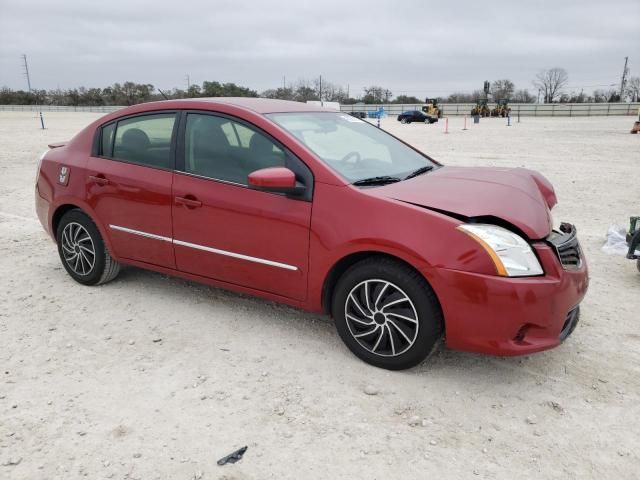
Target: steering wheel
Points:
(356, 157)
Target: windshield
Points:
(354, 148)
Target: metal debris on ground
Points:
(233, 457)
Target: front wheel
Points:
(386, 313)
(82, 250)
(404, 120)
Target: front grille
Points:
(567, 246)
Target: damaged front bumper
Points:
(517, 316)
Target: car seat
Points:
(133, 146)
(262, 154)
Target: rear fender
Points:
(86, 208)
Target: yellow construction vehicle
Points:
(431, 109)
(501, 109)
(481, 109)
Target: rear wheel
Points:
(386, 313)
(82, 251)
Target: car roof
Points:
(258, 105)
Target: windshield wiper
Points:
(420, 171)
(381, 180)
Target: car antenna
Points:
(162, 93)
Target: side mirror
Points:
(275, 179)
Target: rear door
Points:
(129, 186)
(223, 229)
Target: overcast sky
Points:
(409, 46)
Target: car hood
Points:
(518, 196)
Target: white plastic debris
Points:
(616, 241)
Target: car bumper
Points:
(42, 210)
(512, 316)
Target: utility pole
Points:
(188, 79)
(623, 82)
(320, 90)
(284, 82)
(26, 74)
(26, 71)
(348, 91)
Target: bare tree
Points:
(502, 89)
(633, 89)
(330, 91)
(522, 96)
(550, 82)
(376, 94)
(304, 90)
(604, 96)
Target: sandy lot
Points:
(154, 377)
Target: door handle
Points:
(98, 179)
(189, 201)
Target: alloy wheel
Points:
(381, 317)
(77, 248)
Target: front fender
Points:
(424, 239)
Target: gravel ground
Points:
(155, 377)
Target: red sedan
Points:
(322, 211)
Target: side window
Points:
(145, 140)
(107, 140)
(222, 149)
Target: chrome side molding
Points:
(204, 248)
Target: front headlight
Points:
(511, 254)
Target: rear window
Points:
(106, 147)
(145, 140)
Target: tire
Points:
(638, 265)
(411, 312)
(77, 236)
(404, 120)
